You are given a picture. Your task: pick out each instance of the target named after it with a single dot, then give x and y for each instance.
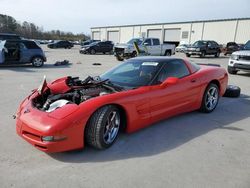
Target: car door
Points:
(149, 46)
(25, 53)
(174, 98)
(156, 47)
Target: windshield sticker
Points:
(150, 63)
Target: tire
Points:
(92, 51)
(103, 127)
(232, 91)
(217, 54)
(231, 70)
(188, 55)
(119, 57)
(104, 53)
(167, 53)
(203, 54)
(37, 61)
(210, 98)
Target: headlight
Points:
(53, 138)
(235, 57)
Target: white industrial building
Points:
(223, 31)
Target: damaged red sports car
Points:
(68, 113)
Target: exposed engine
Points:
(79, 91)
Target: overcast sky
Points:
(80, 15)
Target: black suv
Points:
(7, 36)
(203, 48)
(98, 47)
(61, 44)
(88, 42)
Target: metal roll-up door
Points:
(113, 36)
(172, 35)
(154, 33)
(96, 35)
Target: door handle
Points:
(193, 80)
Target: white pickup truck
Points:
(149, 46)
(240, 60)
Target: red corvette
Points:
(68, 113)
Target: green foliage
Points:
(28, 30)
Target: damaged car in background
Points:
(69, 113)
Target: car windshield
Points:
(132, 74)
(247, 46)
(93, 43)
(138, 41)
(199, 43)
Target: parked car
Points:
(69, 113)
(61, 44)
(240, 60)
(88, 42)
(230, 48)
(7, 36)
(203, 48)
(181, 48)
(98, 47)
(21, 52)
(151, 46)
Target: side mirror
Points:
(169, 81)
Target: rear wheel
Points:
(167, 53)
(103, 127)
(37, 62)
(210, 98)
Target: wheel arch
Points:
(37, 55)
(216, 82)
(122, 111)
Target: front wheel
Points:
(210, 98)
(103, 127)
(217, 54)
(188, 55)
(37, 62)
(119, 57)
(231, 70)
(203, 54)
(167, 53)
(92, 51)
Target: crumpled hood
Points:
(123, 45)
(243, 52)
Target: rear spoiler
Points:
(209, 64)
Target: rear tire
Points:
(210, 98)
(103, 127)
(37, 61)
(167, 53)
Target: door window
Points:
(148, 42)
(175, 68)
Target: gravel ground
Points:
(191, 150)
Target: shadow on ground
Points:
(166, 135)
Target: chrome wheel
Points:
(112, 127)
(37, 62)
(211, 98)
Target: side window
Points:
(156, 42)
(175, 68)
(148, 42)
(22, 46)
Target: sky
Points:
(78, 16)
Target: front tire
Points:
(167, 53)
(203, 54)
(188, 55)
(103, 127)
(92, 51)
(217, 54)
(119, 57)
(37, 62)
(231, 70)
(210, 98)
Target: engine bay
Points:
(79, 92)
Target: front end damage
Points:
(49, 118)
